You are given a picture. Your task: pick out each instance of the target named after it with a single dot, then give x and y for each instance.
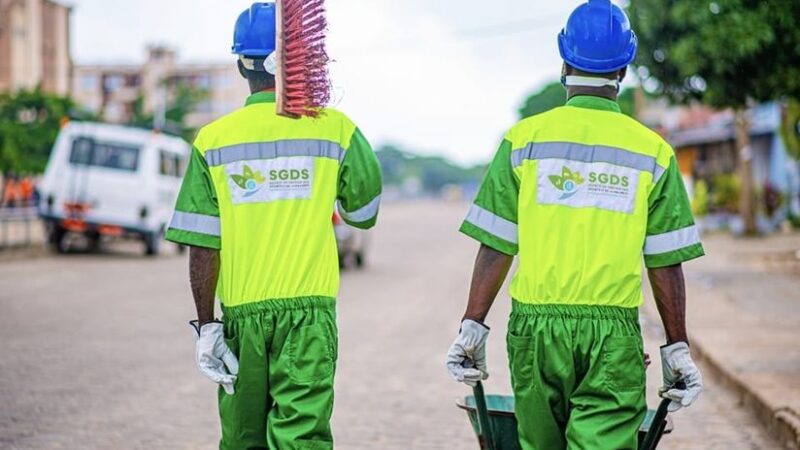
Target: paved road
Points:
(96, 353)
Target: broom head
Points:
(303, 86)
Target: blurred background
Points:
(100, 99)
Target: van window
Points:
(88, 152)
(170, 164)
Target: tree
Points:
(29, 124)
(724, 53)
(553, 95)
(434, 172)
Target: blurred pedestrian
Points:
(26, 190)
(255, 207)
(582, 192)
(12, 192)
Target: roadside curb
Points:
(782, 423)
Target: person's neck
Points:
(257, 88)
(604, 92)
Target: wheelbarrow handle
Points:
(657, 424)
(486, 436)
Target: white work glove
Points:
(677, 367)
(466, 359)
(213, 355)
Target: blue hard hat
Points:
(254, 34)
(598, 38)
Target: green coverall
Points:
(261, 189)
(581, 193)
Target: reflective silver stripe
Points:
(669, 242)
(584, 153)
(362, 214)
(657, 173)
(492, 224)
(196, 223)
(270, 150)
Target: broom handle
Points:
(486, 437)
(279, 74)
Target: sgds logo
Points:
(251, 181)
(568, 183)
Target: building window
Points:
(203, 81)
(114, 83)
(89, 82)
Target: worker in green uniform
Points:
(582, 193)
(255, 207)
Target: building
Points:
(113, 90)
(705, 145)
(34, 46)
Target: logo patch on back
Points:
(269, 180)
(585, 185)
(568, 182)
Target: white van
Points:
(110, 180)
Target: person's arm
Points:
(671, 239)
(360, 183)
(491, 268)
(196, 223)
(669, 291)
(492, 221)
(203, 275)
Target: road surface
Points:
(97, 353)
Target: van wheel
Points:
(56, 238)
(152, 243)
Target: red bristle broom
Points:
(302, 83)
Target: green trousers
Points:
(287, 352)
(578, 376)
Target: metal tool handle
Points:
(658, 423)
(656, 426)
(486, 436)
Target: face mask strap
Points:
(580, 81)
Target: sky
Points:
(441, 77)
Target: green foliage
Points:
(433, 171)
(727, 190)
(700, 200)
(553, 95)
(720, 52)
(795, 221)
(29, 124)
(627, 101)
(549, 97)
(790, 128)
(183, 102)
